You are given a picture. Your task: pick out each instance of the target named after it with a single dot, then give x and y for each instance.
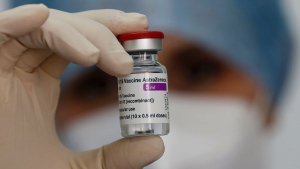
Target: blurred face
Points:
(191, 70)
(217, 113)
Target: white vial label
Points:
(143, 98)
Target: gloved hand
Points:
(36, 45)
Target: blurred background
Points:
(284, 151)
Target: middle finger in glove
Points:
(112, 59)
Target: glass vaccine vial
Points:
(143, 95)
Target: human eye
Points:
(94, 85)
(194, 68)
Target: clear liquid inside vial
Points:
(146, 62)
(145, 129)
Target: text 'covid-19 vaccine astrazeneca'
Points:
(143, 95)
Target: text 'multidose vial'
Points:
(143, 95)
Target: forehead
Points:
(175, 43)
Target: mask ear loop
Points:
(263, 102)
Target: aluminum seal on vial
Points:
(142, 41)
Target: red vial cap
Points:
(141, 35)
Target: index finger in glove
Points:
(22, 20)
(17, 22)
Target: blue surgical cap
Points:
(252, 35)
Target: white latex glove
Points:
(35, 46)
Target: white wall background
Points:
(4, 4)
(285, 148)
